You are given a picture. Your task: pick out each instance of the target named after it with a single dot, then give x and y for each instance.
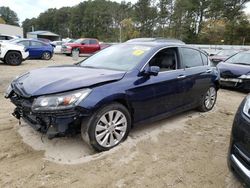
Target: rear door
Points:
(198, 74)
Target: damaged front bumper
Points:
(52, 123)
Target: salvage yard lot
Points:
(187, 150)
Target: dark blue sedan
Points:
(106, 94)
(235, 71)
(37, 49)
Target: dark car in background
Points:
(222, 56)
(83, 45)
(239, 150)
(105, 95)
(37, 49)
(235, 71)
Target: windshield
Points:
(227, 52)
(122, 57)
(240, 58)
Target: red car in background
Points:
(83, 45)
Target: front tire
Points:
(208, 100)
(13, 58)
(46, 56)
(107, 127)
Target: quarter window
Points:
(191, 58)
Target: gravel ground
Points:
(187, 150)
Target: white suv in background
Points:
(13, 54)
(4, 37)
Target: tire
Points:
(208, 100)
(13, 58)
(68, 54)
(46, 56)
(101, 133)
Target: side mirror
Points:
(153, 70)
(83, 43)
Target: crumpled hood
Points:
(59, 79)
(230, 70)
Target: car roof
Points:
(156, 40)
(159, 45)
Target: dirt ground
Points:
(188, 150)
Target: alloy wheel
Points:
(111, 128)
(210, 98)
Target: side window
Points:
(165, 59)
(191, 58)
(85, 41)
(36, 44)
(2, 38)
(25, 43)
(93, 42)
(204, 59)
(9, 38)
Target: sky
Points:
(32, 8)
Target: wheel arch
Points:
(12, 51)
(121, 99)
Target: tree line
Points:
(193, 21)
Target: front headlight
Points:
(60, 101)
(246, 107)
(245, 76)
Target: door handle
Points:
(181, 77)
(208, 71)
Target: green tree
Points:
(145, 17)
(2, 21)
(9, 16)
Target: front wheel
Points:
(107, 128)
(208, 100)
(46, 56)
(13, 58)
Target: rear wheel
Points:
(107, 128)
(46, 56)
(208, 100)
(13, 58)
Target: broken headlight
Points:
(60, 101)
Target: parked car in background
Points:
(4, 37)
(104, 95)
(239, 150)
(235, 71)
(57, 46)
(84, 46)
(36, 48)
(13, 54)
(222, 55)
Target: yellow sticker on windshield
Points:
(138, 52)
